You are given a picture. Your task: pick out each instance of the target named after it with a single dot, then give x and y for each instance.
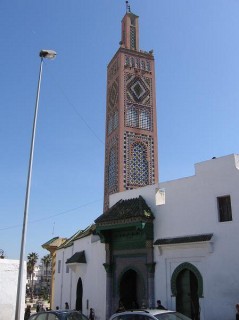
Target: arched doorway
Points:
(79, 294)
(187, 287)
(128, 289)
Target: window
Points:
(67, 269)
(224, 208)
(59, 266)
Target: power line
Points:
(54, 215)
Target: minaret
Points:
(131, 153)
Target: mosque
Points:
(176, 241)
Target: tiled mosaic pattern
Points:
(112, 107)
(111, 175)
(138, 160)
(138, 89)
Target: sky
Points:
(196, 50)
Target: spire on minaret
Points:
(127, 6)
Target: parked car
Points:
(58, 315)
(149, 314)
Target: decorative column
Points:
(109, 281)
(150, 273)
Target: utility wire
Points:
(61, 90)
(53, 215)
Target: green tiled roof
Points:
(127, 210)
(79, 234)
(185, 239)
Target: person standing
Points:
(67, 305)
(159, 305)
(92, 314)
(237, 309)
(27, 312)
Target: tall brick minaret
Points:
(131, 153)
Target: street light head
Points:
(48, 54)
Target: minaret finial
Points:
(127, 6)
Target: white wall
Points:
(92, 273)
(191, 209)
(8, 289)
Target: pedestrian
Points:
(237, 309)
(57, 308)
(27, 312)
(92, 314)
(160, 306)
(67, 305)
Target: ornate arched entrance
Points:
(187, 285)
(128, 289)
(79, 294)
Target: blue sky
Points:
(196, 49)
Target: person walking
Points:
(27, 312)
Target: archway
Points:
(187, 286)
(79, 294)
(128, 289)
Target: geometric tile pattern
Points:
(138, 160)
(138, 89)
(138, 165)
(112, 174)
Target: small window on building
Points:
(67, 269)
(224, 208)
(59, 266)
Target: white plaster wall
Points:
(191, 209)
(92, 273)
(8, 289)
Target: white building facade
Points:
(8, 292)
(195, 247)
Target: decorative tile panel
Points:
(138, 89)
(138, 160)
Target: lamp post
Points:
(44, 54)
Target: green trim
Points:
(108, 267)
(138, 224)
(151, 267)
(192, 268)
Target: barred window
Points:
(132, 117)
(144, 120)
(224, 208)
(132, 38)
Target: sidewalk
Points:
(34, 303)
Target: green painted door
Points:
(187, 294)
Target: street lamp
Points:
(44, 54)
